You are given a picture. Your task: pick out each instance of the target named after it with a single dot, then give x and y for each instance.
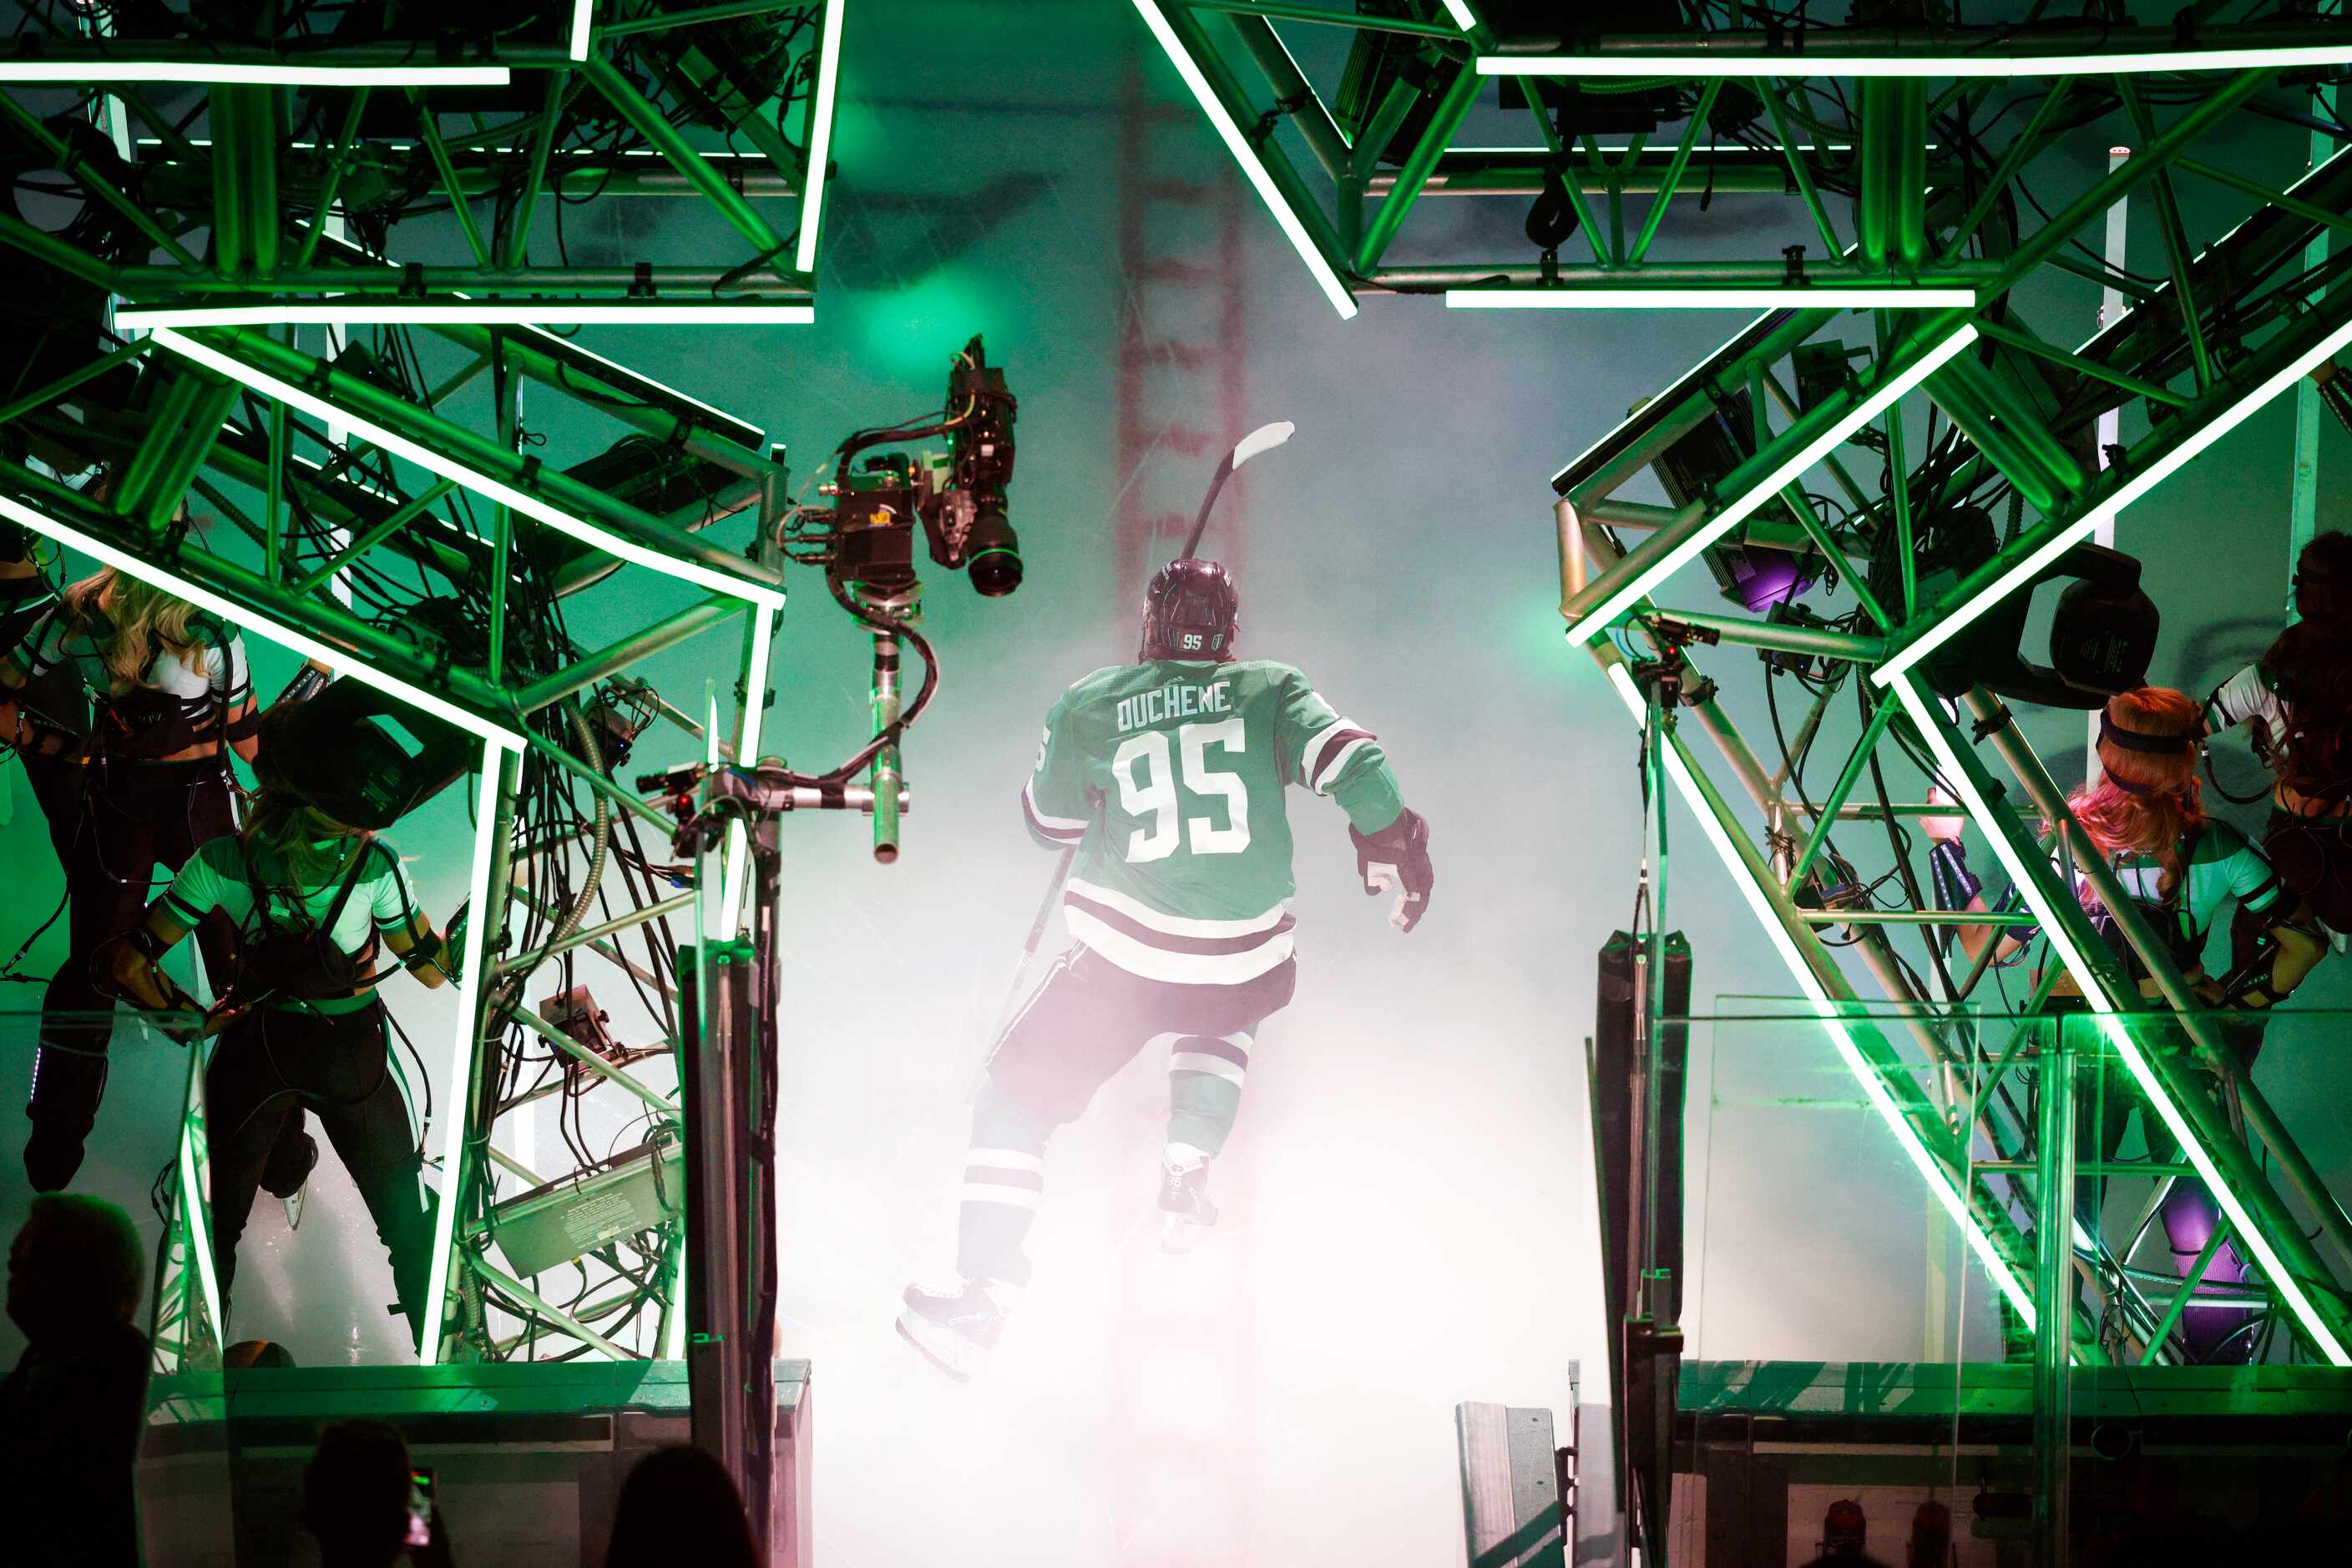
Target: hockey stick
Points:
(1265, 438)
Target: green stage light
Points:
(1824, 62)
(2087, 979)
(1598, 620)
(66, 73)
(1895, 296)
(1950, 624)
(1825, 1007)
(1253, 167)
(820, 132)
(361, 310)
(473, 478)
(193, 1203)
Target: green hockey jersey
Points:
(1167, 778)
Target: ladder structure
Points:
(240, 330)
(1181, 1330)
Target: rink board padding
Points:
(528, 1458)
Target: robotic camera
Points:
(866, 541)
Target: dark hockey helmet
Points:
(1189, 613)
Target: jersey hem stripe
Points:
(1152, 963)
(1163, 924)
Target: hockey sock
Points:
(1003, 1182)
(1204, 1089)
(1184, 1157)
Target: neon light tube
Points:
(1463, 17)
(30, 73)
(244, 617)
(1598, 620)
(1810, 62)
(470, 999)
(1831, 298)
(579, 30)
(2103, 1006)
(196, 1204)
(1874, 1089)
(1253, 168)
(738, 862)
(359, 310)
(820, 132)
(473, 479)
(2130, 490)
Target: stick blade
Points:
(1265, 438)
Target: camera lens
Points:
(995, 553)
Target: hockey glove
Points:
(1396, 859)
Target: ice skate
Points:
(955, 1326)
(1184, 1207)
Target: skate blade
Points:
(294, 1206)
(1180, 1232)
(942, 1347)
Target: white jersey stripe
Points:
(1144, 914)
(1339, 763)
(1057, 825)
(1178, 968)
(1004, 1159)
(1309, 764)
(1194, 1061)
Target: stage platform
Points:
(1761, 1448)
(528, 1458)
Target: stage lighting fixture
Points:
(2088, 978)
(2102, 635)
(352, 753)
(1664, 563)
(1253, 167)
(1956, 618)
(1756, 576)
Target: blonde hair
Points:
(298, 843)
(132, 622)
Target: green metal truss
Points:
(634, 97)
(1342, 159)
(267, 357)
(1842, 477)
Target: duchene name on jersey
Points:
(1173, 702)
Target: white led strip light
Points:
(1811, 62)
(2103, 1007)
(220, 74)
(1827, 297)
(473, 479)
(1596, 621)
(365, 311)
(2130, 490)
(495, 739)
(1931, 1171)
(820, 133)
(1463, 17)
(581, 11)
(1253, 167)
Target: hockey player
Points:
(1166, 778)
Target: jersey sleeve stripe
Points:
(1068, 829)
(1310, 761)
(1350, 743)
